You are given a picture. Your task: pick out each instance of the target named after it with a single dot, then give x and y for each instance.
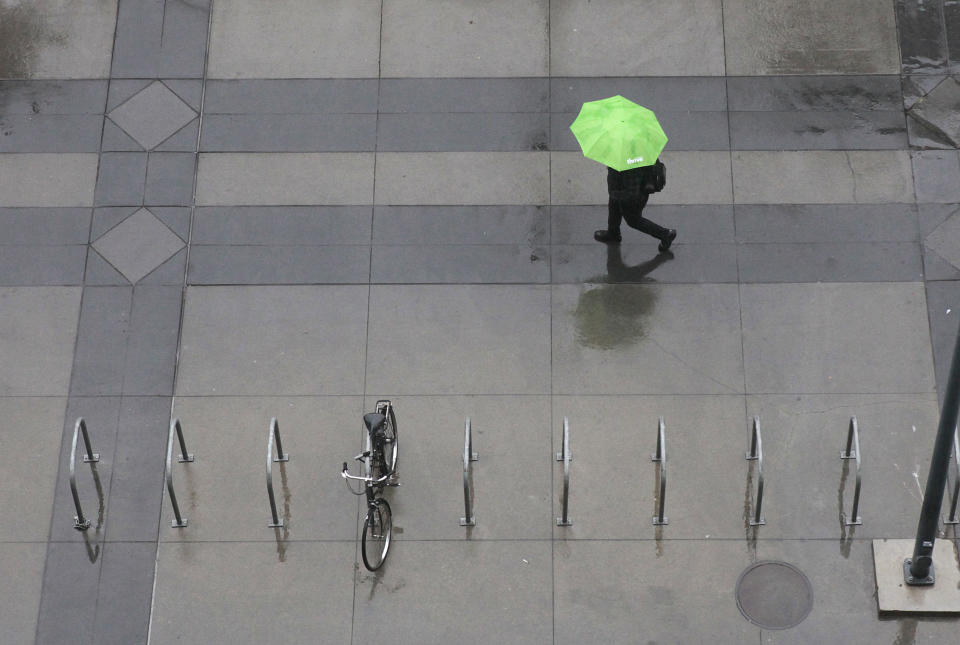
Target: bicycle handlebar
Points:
(369, 480)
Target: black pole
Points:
(918, 570)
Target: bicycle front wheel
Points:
(377, 531)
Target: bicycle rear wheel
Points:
(377, 531)
(390, 441)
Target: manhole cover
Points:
(774, 595)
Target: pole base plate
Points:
(895, 596)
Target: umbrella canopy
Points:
(618, 133)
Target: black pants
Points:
(631, 210)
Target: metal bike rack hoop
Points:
(274, 435)
(79, 521)
(661, 456)
(564, 455)
(756, 454)
(469, 455)
(952, 518)
(853, 452)
(179, 521)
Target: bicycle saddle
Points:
(374, 422)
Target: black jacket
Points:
(629, 184)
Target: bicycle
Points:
(380, 469)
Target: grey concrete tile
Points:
(184, 40)
(136, 488)
(692, 178)
(177, 219)
(122, 89)
(923, 46)
(190, 90)
(804, 93)
(508, 434)
(612, 591)
(294, 96)
(138, 34)
(938, 111)
(951, 23)
(69, 597)
(943, 306)
(184, 140)
(116, 140)
(152, 115)
(138, 245)
(253, 40)
(125, 594)
(256, 357)
(646, 339)
(50, 40)
(807, 486)
(936, 176)
(462, 178)
(157, 39)
(170, 178)
(262, 264)
(38, 226)
(46, 179)
(943, 241)
(642, 263)
(687, 130)
(831, 262)
(294, 179)
(42, 265)
(784, 38)
(222, 493)
(836, 338)
(282, 225)
(121, 179)
(507, 598)
(804, 223)
(238, 592)
(590, 39)
(461, 225)
(499, 38)
(472, 95)
(939, 232)
(52, 97)
(460, 264)
(704, 494)
(108, 217)
(696, 223)
(100, 273)
(38, 327)
(818, 130)
(925, 138)
(916, 86)
(101, 341)
(937, 268)
(419, 345)
(20, 594)
(50, 133)
(171, 272)
(424, 132)
(151, 353)
(32, 426)
(289, 133)
(822, 177)
(660, 94)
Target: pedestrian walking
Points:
(628, 192)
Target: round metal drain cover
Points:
(774, 595)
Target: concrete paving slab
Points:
(279, 265)
(39, 327)
(223, 492)
(292, 96)
(41, 226)
(484, 225)
(114, 139)
(51, 133)
(782, 38)
(32, 430)
(807, 223)
(818, 130)
(171, 272)
(99, 272)
(822, 177)
(57, 39)
(160, 39)
(646, 339)
(923, 46)
(687, 130)
(951, 23)
(692, 178)
(851, 335)
(424, 132)
(417, 343)
(184, 140)
(288, 225)
(20, 594)
(444, 95)
(460, 264)
(42, 265)
(47, 179)
(944, 240)
(617, 591)
(138, 245)
(936, 176)
(640, 262)
(152, 115)
(125, 593)
(894, 596)
(121, 178)
(170, 178)
(510, 481)
(830, 262)
(284, 179)
(239, 592)
(68, 598)
(611, 441)
(497, 38)
(710, 223)
(150, 357)
(659, 93)
(258, 356)
(53, 97)
(589, 39)
(462, 178)
(293, 39)
(831, 93)
(289, 133)
(479, 592)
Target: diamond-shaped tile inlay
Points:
(138, 245)
(945, 240)
(152, 115)
(939, 111)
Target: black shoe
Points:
(606, 237)
(667, 240)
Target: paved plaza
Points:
(225, 211)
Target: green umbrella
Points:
(618, 133)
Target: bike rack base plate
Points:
(895, 596)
